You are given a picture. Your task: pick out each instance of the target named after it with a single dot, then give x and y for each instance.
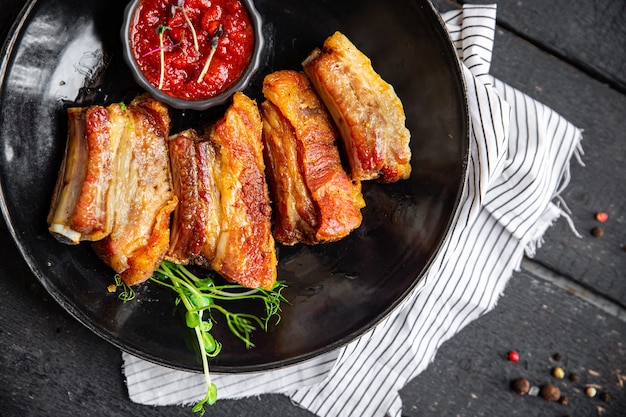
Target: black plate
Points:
(64, 52)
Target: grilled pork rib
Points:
(366, 109)
(80, 205)
(114, 187)
(315, 199)
(245, 251)
(223, 219)
(196, 220)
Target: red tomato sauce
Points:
(164, 45)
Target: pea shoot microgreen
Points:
(127, 293)
(160, 30)
(180, 5)
(214, 42)
(200, 297)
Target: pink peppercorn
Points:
(513, 356)
(602, 216)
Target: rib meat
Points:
(114, 186)
(366, 109)
(196, 221)
(224, 219)
(80, 207)
(245, 251)
(143, 198)
(315, 199)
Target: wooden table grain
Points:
(566, 307)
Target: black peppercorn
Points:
(550, 392)
(574, 377)
(563, 400)
(557, 357)
(597, 232)
(606, 397)
(521, 386)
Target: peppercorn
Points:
(513, 356)
(574, 377)
(606, 397)
(521, 386)
(602, 216)
(590, 392)
(550, 392)
(556, 357)
(563, 400)
(597, 232)
(558, 372)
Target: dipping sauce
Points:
(192, 49)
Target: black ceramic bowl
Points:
(179, 103)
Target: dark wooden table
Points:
(566, 307)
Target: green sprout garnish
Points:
(181, 6)
(160, 30)
(200, 297)
(214, 42)
(127, 293)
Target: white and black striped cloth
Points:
(519, 162)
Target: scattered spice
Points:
(513, 356)
(557, 357)
(590, 392)
(574, 377)
(533, 391)
(558, 372)
(521, 386)
(563, 400)
(550, 392)
(605, 396)
(597, 232)
(602, 216)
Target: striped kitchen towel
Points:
(520, 152)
